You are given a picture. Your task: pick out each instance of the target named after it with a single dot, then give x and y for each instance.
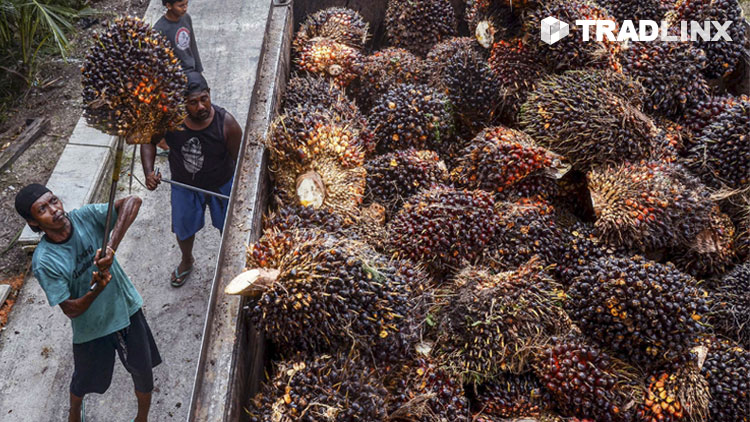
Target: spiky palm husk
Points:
(730, 304)
(411, 116)
(673, 396)
(590, 117)
(712, 251)
(133, 84)
(490, 21)
(723, 56)
(384, 70)
(643, 310)
(500, 157)
(721, 153)
(650, 205)
(497, 323)
(418, 25)
(572, 52)
(586, 382)
(392, 178)
(512, 396)
(339, 24)
(670, 73)
(518, 67)
(321, 388)
(329, 59)
(443, 228)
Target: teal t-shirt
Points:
(64, 271)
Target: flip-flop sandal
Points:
(180, 278)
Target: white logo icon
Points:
(553, 30)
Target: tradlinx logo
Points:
(553, 30)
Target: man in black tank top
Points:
(202, 154)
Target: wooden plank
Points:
(32, 132)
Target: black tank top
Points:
(201, 158)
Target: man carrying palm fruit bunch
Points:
(202, 153)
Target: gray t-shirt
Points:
(182, 37)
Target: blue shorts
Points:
(189, 209)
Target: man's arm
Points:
(127, 210)
(76, 307)
(148, 157)
(232, 135)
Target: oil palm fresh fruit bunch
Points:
(643, 310)
(586, 382)
(572, 52)
(706, 111)
(723, 55)
(133, 84)
(590, 117)
(730, 304)
(673, 396)
(384, 70)
(650, 205)
(727, 370)
(443, 228)
(720, 155)
(512, 396)
(498, 323)
(460, 70)
(325, 293)
(421, 391)
(519, 68)
(712, 252)
(411, 116)
(637, 10)
(339, 24)
(321, 388)
(490, 21)
(670, 72)
(392, 178)
(419, 24)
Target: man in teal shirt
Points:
(106, 318)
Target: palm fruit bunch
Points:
(411, 116)
(443, 228)
(499, 158)
(518, 68)
(327, 293)
(649, 205)
(727, 370)
(672, 141)
(712, 251)
(723, 56)
(705, 112)
(580, 247)
(512, 396)
(670, 72)
(643, 310)
(392, 178)
(490, 21)
(420, 391)
(384, 70)
(572, 52)
(497, 323)
(417, 25)
(323, 388)
(730, 304)
(328, 58)
(636, 10)
(474, 89)
(721, 153)
(314, 90)
(524, 229)
(133, 84)
(673, 396)
(590, 117)
(586, 382)
(339, 24)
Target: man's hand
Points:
(101, 279)
(103, 263)
(153, 180)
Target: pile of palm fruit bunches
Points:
(133, 84)
(479, 226)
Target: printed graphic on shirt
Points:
(192, 154)
(182, 38)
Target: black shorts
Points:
(95, 360)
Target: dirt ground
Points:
(57, 97)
